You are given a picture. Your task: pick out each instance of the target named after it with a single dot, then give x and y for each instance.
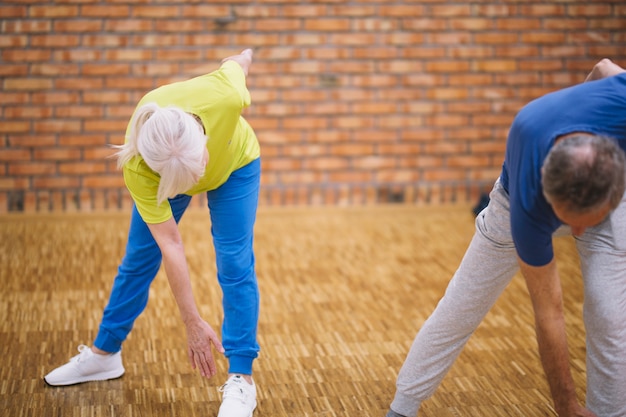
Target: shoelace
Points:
(83, 352)
(232, 390)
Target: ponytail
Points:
(130, 148)
(171, 143)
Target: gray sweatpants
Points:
(486, 269)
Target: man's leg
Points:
(486, 269)
(602, 252)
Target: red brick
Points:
(252, 40)
(408, 122)
(29, 55)
(402, 39)
(105, 69)
(56, 126)
(541, 65)
(77, 25)
(352, 149)
(82, 140)
(53, 11)
(100, 40)
(494, 10)
(345, 39)
(350, 10)
(13, 183)
(11, 155)
(472, 24)
(441, 175)
(26, 26)
(78, 55)
(586, 10)
(396, 175)
(497, 38)
(105, 125)
(128, 55)
(495, 65)
(104, 11)
(424, 24)
(327, 24)
(447, 94)
(104, 181)
(13, 11)
(15, 126)
(128, 25)
(451, 38)
(178, 26)
(567, 24)
(81, 83)
(49, 182)
(518, 23)
(55, 97)
(38, 168)
(280, 25)
(422, 134)
(30, 83)
(468, 51)
(155, 11)
(543, 10)
(447, 120)
(13, 41)
(27, 112)
(56, 154)
(54, 41)
(329, 163)
(20, 141)
(517, 51)
(80, 168)
(543, 37)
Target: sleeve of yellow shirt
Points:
(233, 73)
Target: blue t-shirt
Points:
(597, 107)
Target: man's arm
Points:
(200, 335)
(604, 68)
(544, 287)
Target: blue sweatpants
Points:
(232, 208)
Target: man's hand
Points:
(544, 288)
(603, 69)
(200, 337)
(576, 410)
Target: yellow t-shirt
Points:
(218, 99)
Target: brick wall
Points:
(354, 102)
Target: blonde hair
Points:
(171, 143)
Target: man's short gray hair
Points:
(583, 172)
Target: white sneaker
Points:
(238, 399)
(87, 366)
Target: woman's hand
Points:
(244, 59)
(200, 337)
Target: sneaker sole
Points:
(104, 376)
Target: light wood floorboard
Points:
(344, 291)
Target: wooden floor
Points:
(343, 292)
